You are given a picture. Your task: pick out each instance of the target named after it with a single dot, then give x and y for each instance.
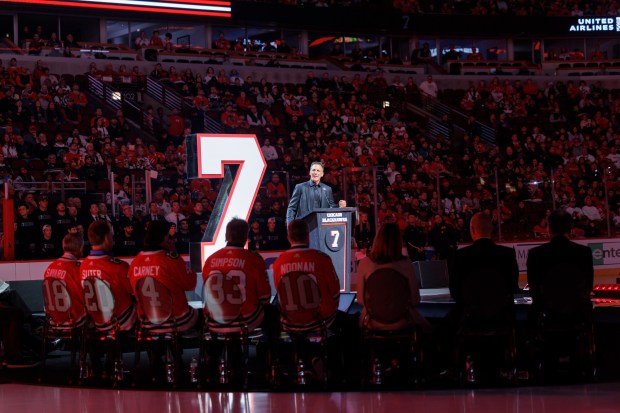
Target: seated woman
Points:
(386, 253)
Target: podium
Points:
(330, 232)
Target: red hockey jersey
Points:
(170, 270)
(114, 272)
(242, 305)
(67, 269)
(317, 266)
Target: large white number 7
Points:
(213, 153)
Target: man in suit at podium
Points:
(311, 195)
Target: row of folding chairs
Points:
(157, 332)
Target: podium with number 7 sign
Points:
(238, 160)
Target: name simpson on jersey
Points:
(227, 262)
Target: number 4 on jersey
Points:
(216, 156)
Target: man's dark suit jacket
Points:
(302, 200)
(560, 275)
(149, 218)
(484, 279)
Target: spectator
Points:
(230, 119)
(70, 42)
(475, 55)
(156, 41)
(222, 43)
(274, 238)
(26, 234)
(429, 88)
(47, 245)
(168, 46)
(451, 54)
(141, 41)
(175, 216)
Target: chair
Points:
(387, 301)
(60, 325)
(157, 324)
(100, 304)
(223, 298)
(16, 164)
(487, 323)
(300, 299)
(565, 326)
(36, 164)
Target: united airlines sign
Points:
(595, 24)
(191, 7)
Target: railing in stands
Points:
(106, 93)
(171, 99)
(165, 95)
(458, 118)
(60, 187)
(133, 111)
(116, 99)
(7, 46)
(212, 125)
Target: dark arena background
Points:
(423, 113)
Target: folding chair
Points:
(487, 323)
(387, 300)
(565, 326)
(223, 297)
(100, 305)
(300, 299)
(157, 324)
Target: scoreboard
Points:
(212, 8)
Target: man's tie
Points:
(317, 196)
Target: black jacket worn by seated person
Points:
(484, 279)
(560, 275)
(306, 197)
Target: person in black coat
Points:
(311, 195)
(485, 275)
(153, 214)
(560, 273)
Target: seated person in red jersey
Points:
(170, 270)
(301, 258)
(67, 269)
(249, 270)
(101, 264)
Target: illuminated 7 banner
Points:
(190, 7)
(239, 162)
